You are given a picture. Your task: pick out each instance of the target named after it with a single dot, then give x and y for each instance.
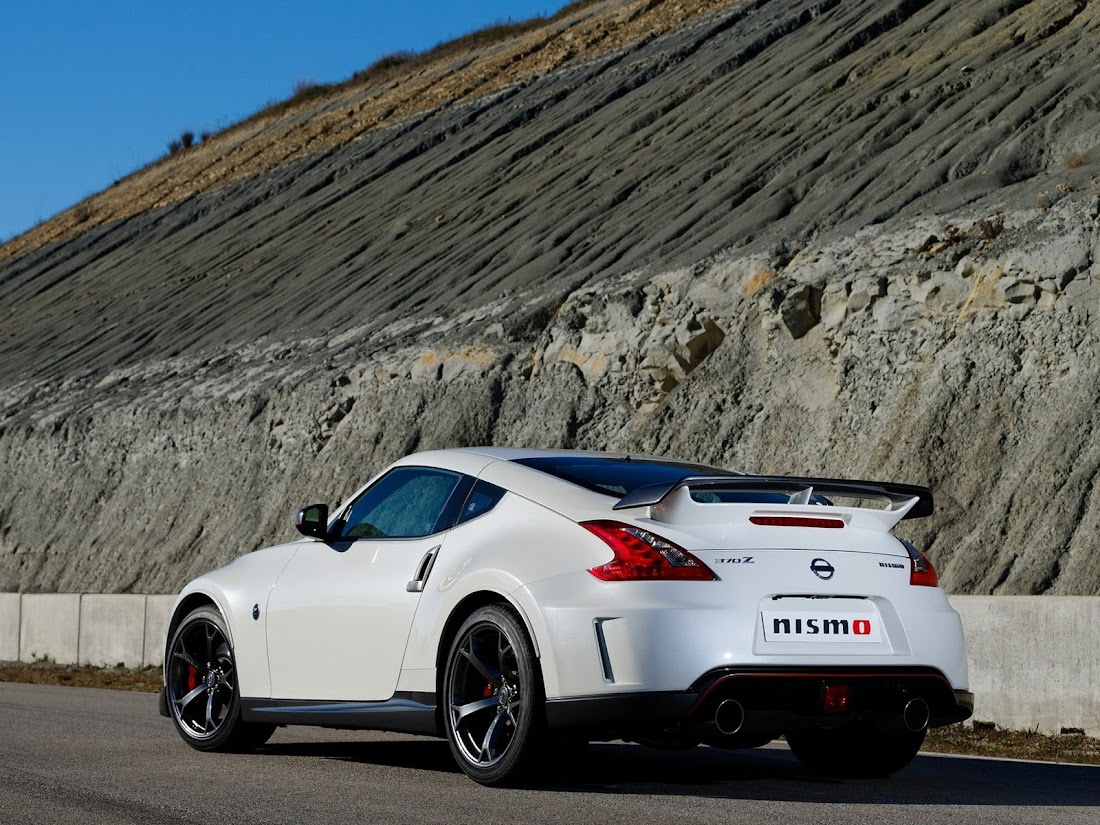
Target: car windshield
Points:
(617, 476)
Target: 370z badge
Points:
(736, 560)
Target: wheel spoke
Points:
(486, 753)
(513, 709)
(503, 648)
(186, 700)
(183, 654)
(209, 710)
(462, 711)
(479, 666)
(222, 652)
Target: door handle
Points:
(422, 571)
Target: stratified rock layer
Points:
(839, 238)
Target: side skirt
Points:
(404, 713)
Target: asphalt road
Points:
(77, 755)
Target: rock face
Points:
(836, 238)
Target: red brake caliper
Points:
(488, 690)
(192, 677)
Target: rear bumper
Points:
(774, 700)
(622, 711)
(965, 700)
(794, 698)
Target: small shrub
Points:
(187, 139)
(577, 5)
(174, 146)
(1077, 161)
(307, 90)
(385, 64)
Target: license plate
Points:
(826, 628)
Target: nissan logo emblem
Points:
(822, 569)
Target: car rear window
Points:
(616, 476)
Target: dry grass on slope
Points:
(319, 118)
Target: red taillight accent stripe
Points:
(797, 521)
(922, 572)
(645, 556)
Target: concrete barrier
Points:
(9, 627)
(112, 630)
(87, 629)
(158, 612)
(1034, 660)
(49, 627)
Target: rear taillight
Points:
(641, 555)
(921, 570)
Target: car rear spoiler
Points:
(798, 490)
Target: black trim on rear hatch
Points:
(617, 475)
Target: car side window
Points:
(405, 503)
(483, 498)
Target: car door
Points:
(339, 615)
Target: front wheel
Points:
(857, 752)
(201, 681)
(492, 697)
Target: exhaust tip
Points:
(916, 715)
(729, 718)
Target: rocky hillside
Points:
(840, 238)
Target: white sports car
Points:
(515, 600)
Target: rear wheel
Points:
(492, 697)
(862, 751)
(203, 698)
(741, 741)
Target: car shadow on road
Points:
(415, 753)
(774, 774)
(769, 774)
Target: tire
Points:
(741, 741)
(858, 752)
(493, 702)
(201, 678)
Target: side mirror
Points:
(313, 521)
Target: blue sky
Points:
(95, 90)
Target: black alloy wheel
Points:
(493, 702)
(201, 678)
